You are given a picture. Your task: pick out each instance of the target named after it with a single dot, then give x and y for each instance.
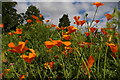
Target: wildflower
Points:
(67, 43)
(49, 44)
(98, 4)
(47, 21)
(34, 17)
(108, 16)
(29, 20)
(19, 36)
(11, 64)
(103, 31)
(57, 42)
(49, 65)
(92, 29)
(4, 61)
(5, 71)
(71, 29)
(115, 33)
(18, 31)
(39, 21)
(97, 21)
(1, 25)
(21, 48)
(66, 37)
(58, 28)
(76, 18)
(21, 77)
(113, 47)
(40, 15)
(10, 33)
(63, 28)
(88, 64)
(87, 33)
(30, 57)
(82, 22)
(49, 50)
(53, 25)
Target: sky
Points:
(53, 9)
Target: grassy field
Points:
(40, 51)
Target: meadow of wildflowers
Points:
(38, 51)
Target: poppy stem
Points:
(94, 16)
(105, 61)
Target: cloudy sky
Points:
(53, 9)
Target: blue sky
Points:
(54, 10)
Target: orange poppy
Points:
(34, 17)
(49, 64)
(97, 21)
(103, 31)
(82, 22)
(88, 64)
(67, 43)
(18, 31)
(30, 57)
(92, 29)
(29, 20)
(21, 77)
(49, 44)
(66, 37)
(21, 48)
(40, 15)
(63, 33)
(76, 18)
(71, 29)
(10, 33)
(113, 47)
(53, 25)
(5, 71)
(115, 33)
(108, 16)
(47, 21)
(57, 42)
(1, 25)
(87, 33)
(63, 28)
(58, 28)
(98, 4)
(39, 21)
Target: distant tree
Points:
(10, 17)
(32, 10)
(64, 21)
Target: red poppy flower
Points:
(66, 37)
(29, 20)
(21, 48)
(98, 4)
(92, 29)
(87, 33)
(108, 16)
(71, 29)
(89, 63)
(1, 25)
(34, 17)
(97, 21)
(76, 18)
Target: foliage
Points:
(64, 21)
(10, 18)
(79, 53)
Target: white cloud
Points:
(55, 10)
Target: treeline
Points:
(11, 18)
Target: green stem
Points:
(94, 16)
(105, 62)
